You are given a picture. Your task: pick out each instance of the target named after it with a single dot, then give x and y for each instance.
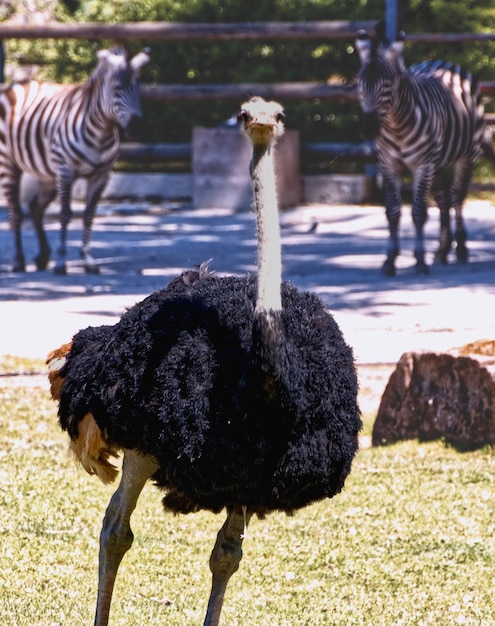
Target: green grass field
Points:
(410, 541)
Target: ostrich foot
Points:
(225, 559)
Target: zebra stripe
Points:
(58, 133)
(425, 119)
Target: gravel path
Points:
(336, 251)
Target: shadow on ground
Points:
(335, 250)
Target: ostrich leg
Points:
(225, 559)
(116, 534)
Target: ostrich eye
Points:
(242, 116)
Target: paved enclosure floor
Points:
(336, 251)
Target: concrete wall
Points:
(220, 178)
(317, 189)
(338, 189)
(220, 168)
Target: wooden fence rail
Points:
(147, 152)
(282, 91)
(249, 31)
(175, 31)
(239, 91)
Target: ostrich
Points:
(233, 392)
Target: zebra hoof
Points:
(422, 268)
(92, 269)
(41, 263)
(388, 268)
(60, 270)
(90, 265)
(19, 268)
(462, 255)
(441, 258)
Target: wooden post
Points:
(2, 62)
(391, 19)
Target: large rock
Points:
(448, 395)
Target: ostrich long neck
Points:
(269, 252)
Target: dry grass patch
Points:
(410, 541)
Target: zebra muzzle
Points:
(370, 125)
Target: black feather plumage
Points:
(175, 379)
(227, 392)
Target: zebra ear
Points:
(116, 57)
(140, 59)
(363, 45)
(102, 54)
(395, 51)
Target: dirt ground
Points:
(336, 251)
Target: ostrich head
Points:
(261, 121)
(262, 124)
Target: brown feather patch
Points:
(55, 361)
(91, 447)
(93, 450)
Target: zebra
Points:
(58, 133)
(427, 119)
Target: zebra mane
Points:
(447, 72)
(438, 67)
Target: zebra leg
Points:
(423, 179)
(461, 249)
(441, 194)
(419, 214)
(64, 184)
(11, 188)
(462, 176)
(391, 187)
(96, 185)
(37, 206)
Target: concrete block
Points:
(220, 190)
(337, 189)
(220, 167)
(122, 186)
(140, 186)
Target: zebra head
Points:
(377, 79)
(119, 86)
